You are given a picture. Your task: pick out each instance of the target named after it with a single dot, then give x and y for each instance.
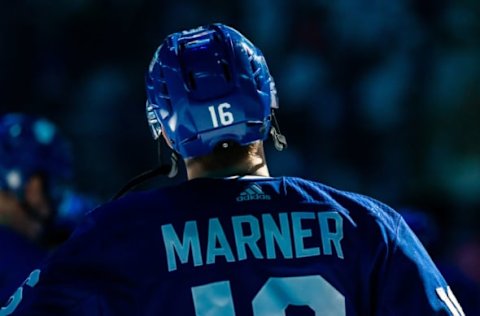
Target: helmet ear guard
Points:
(153, 122)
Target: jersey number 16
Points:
(215, 299)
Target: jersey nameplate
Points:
(269, 236)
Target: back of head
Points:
(208, 87)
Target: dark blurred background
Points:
(378, 97)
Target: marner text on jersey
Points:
(285, 235)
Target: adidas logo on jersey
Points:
(253, 192)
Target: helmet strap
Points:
(279, 140)
(174, 166)
(161, 144)
(163, 169)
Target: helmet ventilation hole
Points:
(226, 71)
(191, 80)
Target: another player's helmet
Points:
(33, 146)
(209, 86)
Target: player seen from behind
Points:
(232, 240)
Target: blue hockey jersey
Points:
(244, 246)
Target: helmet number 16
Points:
(221, 114)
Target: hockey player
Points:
(34, 158)
(35, 168)
(232, 240)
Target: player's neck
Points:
(254, 166)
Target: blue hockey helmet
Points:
(31, 145)
(207, 86)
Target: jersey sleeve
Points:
(410, 283)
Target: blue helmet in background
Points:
(31, 145)
(208, 86)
